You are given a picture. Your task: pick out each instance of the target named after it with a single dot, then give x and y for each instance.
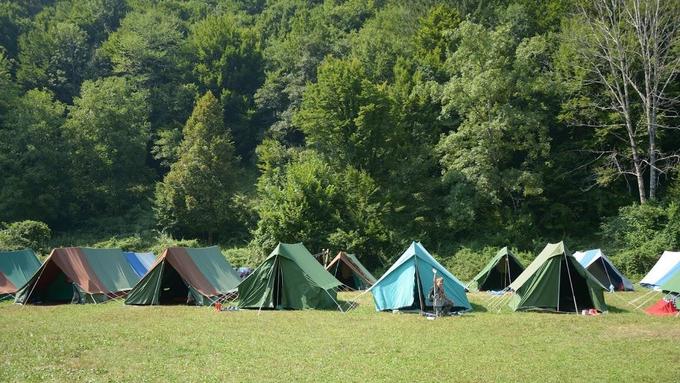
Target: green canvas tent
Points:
(199, 276)
(498, 273)
(79, 275)
(290, 278)
(347, 269)
(16, 268)
(556, 281)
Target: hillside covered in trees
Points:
(359, 125)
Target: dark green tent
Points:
(556, 281)
(498, 273)
(16, 268)
(199, 276)
(290, 278)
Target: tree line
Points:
(357, 125)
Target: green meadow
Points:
(112, 342)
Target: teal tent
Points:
(406, 284)
(498, 273)
(16, 268)
(290, 278)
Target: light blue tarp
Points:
(140, 262)
(395, 289)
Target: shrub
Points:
(25, 234)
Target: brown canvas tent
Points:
(79, 275)
(347, 269)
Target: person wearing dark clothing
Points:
(441, 303)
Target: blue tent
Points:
(140, 262)
(396, 289)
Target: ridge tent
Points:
(671, 285)
(347, 269)
(406, 284)
(499, 273)
(555, 281)
(290, 278)
(664, 269)
(140, 262)
(199, 276)
(79, 275)
(602, 268)
(16, 268)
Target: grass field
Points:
(116, 343)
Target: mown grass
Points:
(116, 343)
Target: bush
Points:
(467, 262)
(25, 234)
(640, 233)
(242, 256)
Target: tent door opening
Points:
(577, 284)
(173, 290)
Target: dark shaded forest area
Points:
(357, 125)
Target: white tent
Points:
(665, 268)
(603, 269)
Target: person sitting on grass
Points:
(441, 303)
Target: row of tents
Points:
(291, 278)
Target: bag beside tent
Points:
(498, 273)
(667, 305)
(406, 284)
(347, 269)
(555, 281)
(602, 268)
(16, 268)
(667, 265)
(199, 276)
(79, 275)
(290, 278)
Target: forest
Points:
(355, 125)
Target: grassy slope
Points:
(113, 342)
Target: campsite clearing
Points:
(114, 342)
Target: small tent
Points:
(602, 268)
(79, 275)
(16, 268)
(199, 276)
(407, 283)
(140, 262)
(498, 273)
(555, 281)
(347, 269)
(664, 269)
(290, 278)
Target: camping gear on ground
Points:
(556, 281)
(16, 268)
(498, 273)
(183, 275)
(347, 269)
(79, 275)
(140, 262)
(664, 307)
(290, 278)
(667, 265)
(405, 285)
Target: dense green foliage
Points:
(357, 125)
